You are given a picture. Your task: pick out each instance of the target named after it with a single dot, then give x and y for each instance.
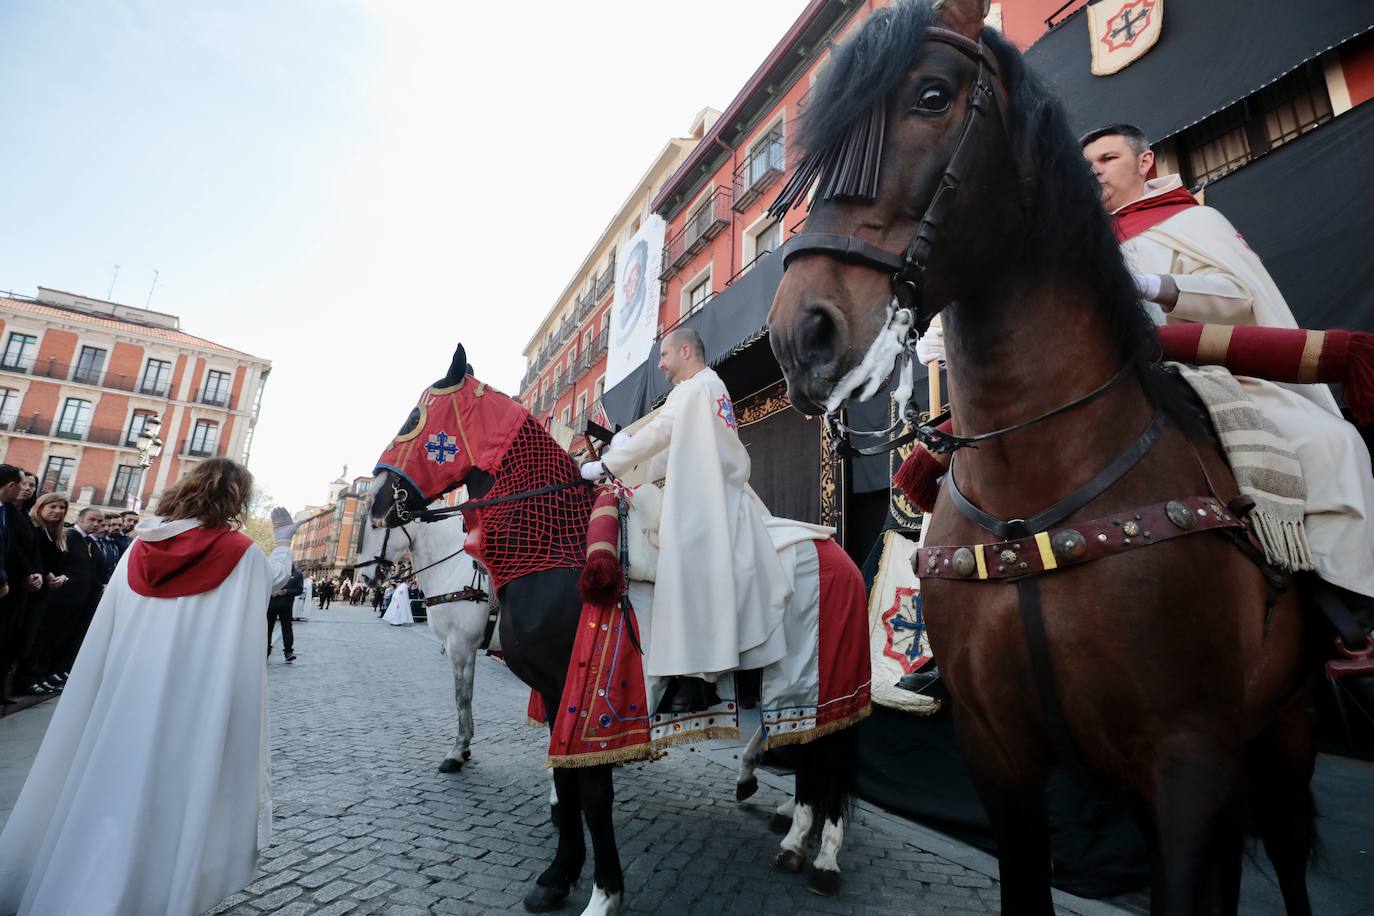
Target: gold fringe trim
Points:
(651, 751)
(535, 722)
(820, 731)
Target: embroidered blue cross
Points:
(1129, 23)
(440, 448)
(916, 626)
(725, 409)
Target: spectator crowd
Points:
(52, 576)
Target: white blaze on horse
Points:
(443, 569)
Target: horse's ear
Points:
(962, 16)
(456, 369)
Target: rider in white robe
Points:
(304, 601)
(398, 611)
(720, 588)
(149, 794)
(1197, 268)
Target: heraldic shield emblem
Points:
(1121, 31)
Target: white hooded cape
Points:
(1221, 281)
(149, 794)
(398, 610)
(720, 587)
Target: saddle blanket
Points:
(820, 686)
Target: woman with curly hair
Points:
(149, 793)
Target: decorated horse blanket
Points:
(607, 714)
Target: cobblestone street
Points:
(364, 823)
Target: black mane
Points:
(1071, 233)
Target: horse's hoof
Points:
(467, 754)
(746, 788)
(450, 765)
(823, 882)
(779, 823)
(789, 861)
(542, 899)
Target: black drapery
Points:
(1211, 54)
(785, 453)
(1308, 212)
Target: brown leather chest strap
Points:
(1075, 544)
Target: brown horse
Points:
(1164, 669)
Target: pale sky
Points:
(348, 189)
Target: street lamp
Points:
(149, 447)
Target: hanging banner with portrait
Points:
(634, 310)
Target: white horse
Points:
(436, 553)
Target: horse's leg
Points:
(805, 804)
(553, 886)
(1195, 800)
(747, 783)
(1280, 763)
(781, 819)
(598, 796)
(1012, 789)
(464, 663)
(832, 760)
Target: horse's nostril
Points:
(816, 334)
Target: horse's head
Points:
(458, 426)
(909, 109)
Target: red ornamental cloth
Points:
(190, 563)
(1144, 214)
(534, 533)
(604, 715)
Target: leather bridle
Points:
(908, 269)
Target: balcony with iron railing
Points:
(87, 375)
(192, 449)
(215, 398)
(765, 164)
(599, 342)
(705, 223)
(604, 282)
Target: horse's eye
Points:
(934, 100)
(411, 422)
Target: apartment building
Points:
(82, 378)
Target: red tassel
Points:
(1358, 386)
(603, 581)
(919, 478)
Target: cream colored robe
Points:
(721, 589)
(1221, 281)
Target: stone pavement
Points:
(365, 824)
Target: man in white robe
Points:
(1193, 264)
(149, 793)
(720, 587)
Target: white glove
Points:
(931, 347)
(282, 526)
(621, 439)
(1149, 286)
(593, 470)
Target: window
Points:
(75, 421)
(600, 387)
(1282, 111)
(581, 405)
(9, 407)
(567, 418)
(19, 351)
(216, 389)
(765, 157)
(57, 475)
(88, 366)
(204, 439)
(699, 295)
(767, 239)
(125, 489)
(156, 379)
(139, 420)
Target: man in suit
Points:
(124, 533)
(9, 618)
(279, 609)
(73, 605)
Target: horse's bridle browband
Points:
(908, 268)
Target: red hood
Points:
(1148, 212)
(189, 563)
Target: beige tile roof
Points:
(114, 324)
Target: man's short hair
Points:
(687, 337)
(9, 474)
(128, 512)
(1135, 137)
(88, 510)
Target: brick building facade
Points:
(81, 377)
